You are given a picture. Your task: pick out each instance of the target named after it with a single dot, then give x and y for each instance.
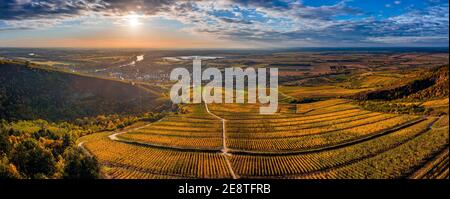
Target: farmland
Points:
(227, 89)
(318, 132)
(339, 115)
(333, 139)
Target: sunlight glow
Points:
(133, 20)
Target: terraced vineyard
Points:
(197, 130)
(321, 140)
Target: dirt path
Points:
(80, 145)
(224, 142)
(438, 128)
(357, 160)
(283, 94)
(331, 147)
(224, 151)
(114, 135)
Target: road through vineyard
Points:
(327, 139)
(224, 141)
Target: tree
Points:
(5, 145)
(79, 165)
(33, 160)
(45, 133)
(7, 170)
(68, 140)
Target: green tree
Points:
(80, 165)
(33, 160)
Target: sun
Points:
(133, 20)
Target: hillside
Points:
(32, 92)
(432, 84)
(440, 88)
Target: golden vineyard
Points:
(331, 139)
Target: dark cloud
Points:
(27, 9)
(13, 29)
(31, 9)
(326, 12)
(274, 4)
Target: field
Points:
(339, 115)
(227, 89)
(320, 140)
(318, 91)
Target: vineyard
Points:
(329, 139)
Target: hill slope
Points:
(440, 88)
(432, 84)
(32, 92)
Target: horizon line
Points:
(236, 48)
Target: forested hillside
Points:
(32, 92)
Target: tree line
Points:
(37, 149)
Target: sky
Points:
(223, 23)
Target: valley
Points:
(342, 114)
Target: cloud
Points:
(13, 29)
(36, 9)
(230, 20)
(407, 39)
(147, 7)
(275, 4)
(428, 27)
(278, 22)
(28, 9)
